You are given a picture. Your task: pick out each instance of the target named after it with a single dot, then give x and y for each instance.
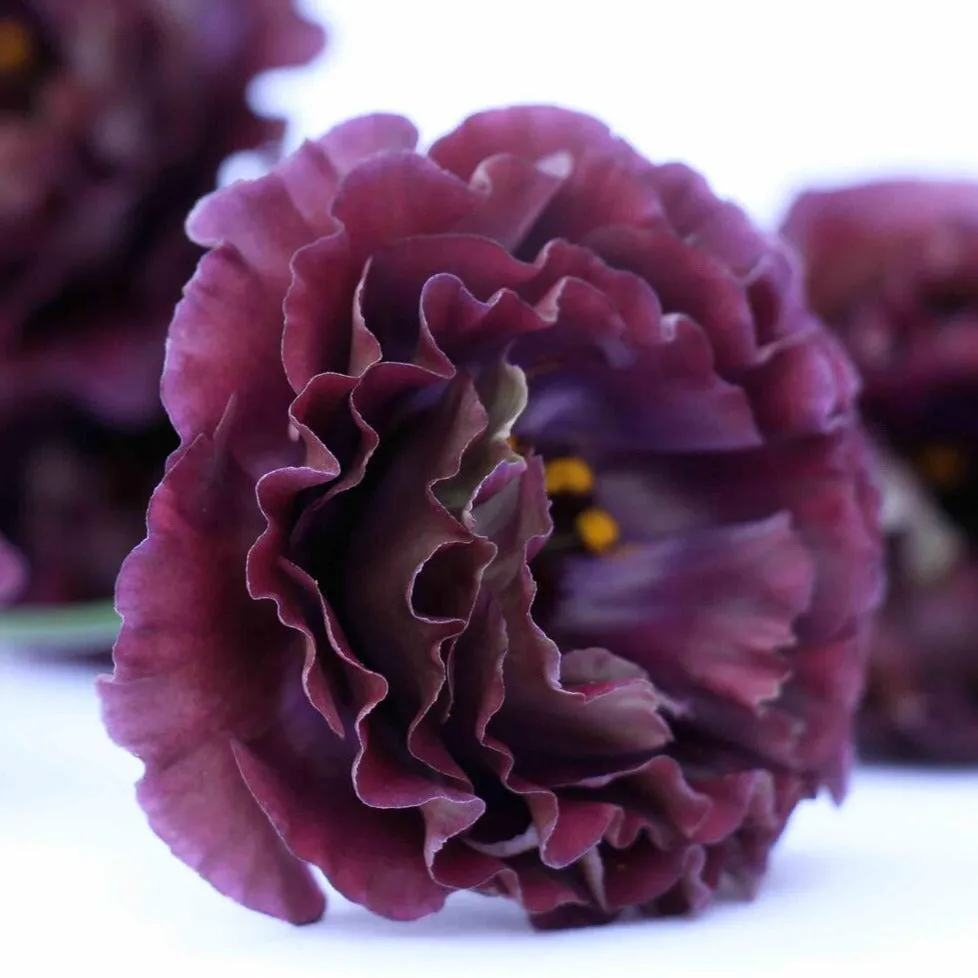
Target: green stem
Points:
(70, 626)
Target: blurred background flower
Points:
(893, 267)
(115, 116)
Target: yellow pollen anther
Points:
(598, 530)
(16, 48)
(519, 446)
(571, 475)
(943, 466)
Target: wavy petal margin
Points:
(363, 611)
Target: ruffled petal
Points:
(197, 664)
(715, 608)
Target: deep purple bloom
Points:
(893, 267)
(520, 538)
(114, 118)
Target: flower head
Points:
(114, 118)
(893, 267)
(520, 538)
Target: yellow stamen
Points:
(519, 446)
(598, 530)
(943, 466)
(16, 47)
(571, 475)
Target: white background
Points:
(763, 97)
(887, 884)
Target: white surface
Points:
(761, 95)
(891, 879)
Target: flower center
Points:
(944, 467)
(950, 472)
(582, 529)
(930, 507)
(929, 454)
(579, 525)
(26, 58)
(16, 47)
(569, 475)
(597, 529)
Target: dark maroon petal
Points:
(396, 196)
(317, 308)
(372, 856)
(517, 193)
(633, 299)
(606, 180)
(224, 335)
(665, 392)
(686, 197)
(350, 143)
(805, 386)
(658, 801)
(425, 577)
(315, 804)
(570, 915)
(774, 291)
(197, 663)
(619, 717)
(663, 395)
(715, 608)
(529, 132)
(809, 478)
(689, 281)
(536, 887)
(268, 220)
(271, 575)
(464, 326)
(224, 835)
(644, 873)
(397, 279)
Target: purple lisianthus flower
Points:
(520, 539)
(114, 118)
(893, 268)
